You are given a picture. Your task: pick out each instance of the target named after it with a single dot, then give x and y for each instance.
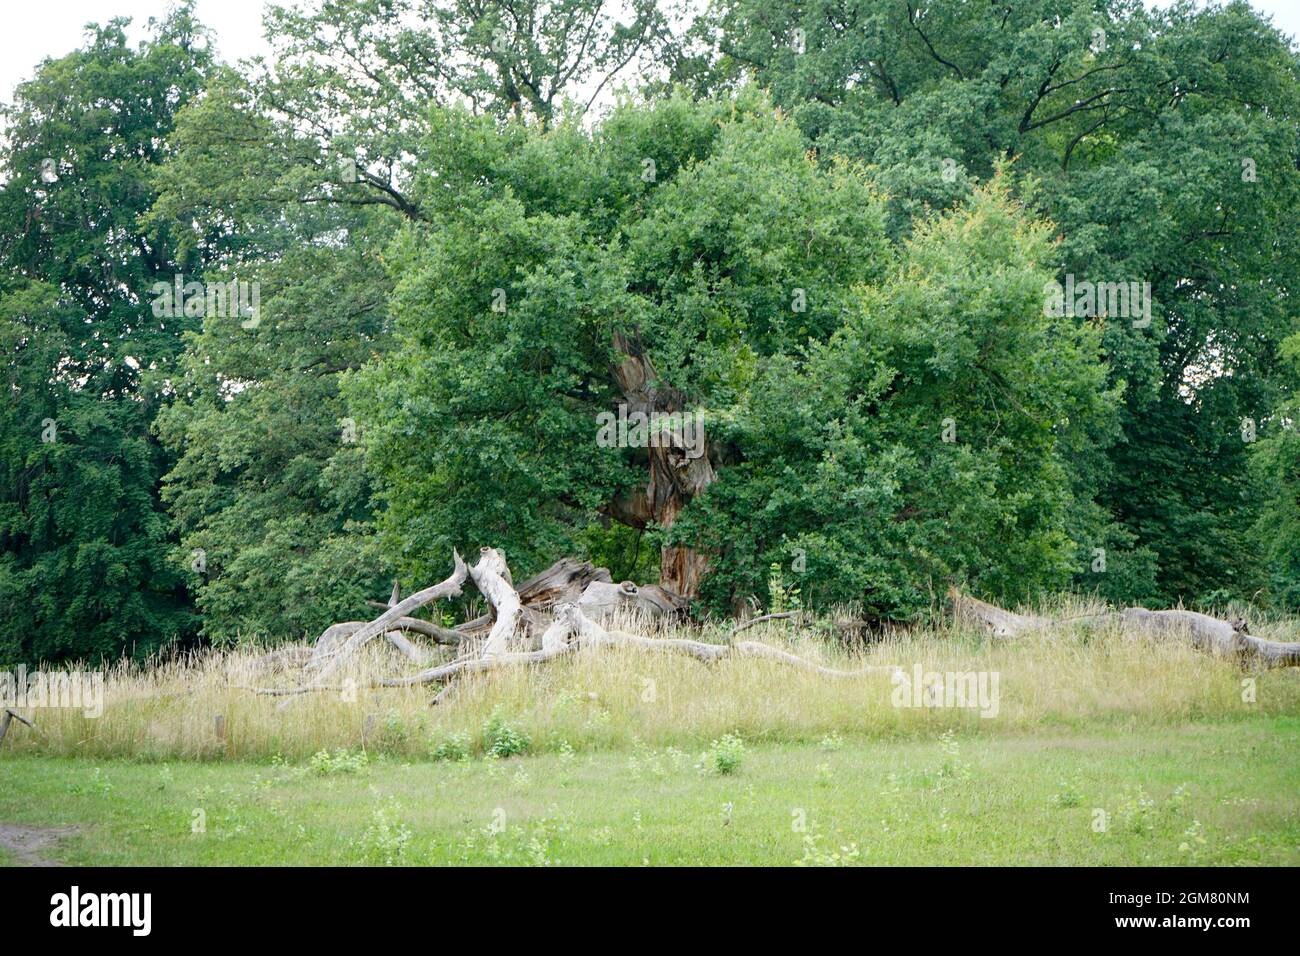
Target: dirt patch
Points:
(29, 844)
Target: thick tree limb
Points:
(602, 599)
(384, 623)
(474, 625)
(999, 622)
(492, 577)
(676, 473)
(1215, 636)
(563, 582)
(334, 636)
(435, 632)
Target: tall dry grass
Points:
(621, 698)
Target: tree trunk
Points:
(603, 599)
(676, 473)
(562, 583)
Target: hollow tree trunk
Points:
(674, 476)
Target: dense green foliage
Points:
(1276, 464)
(84, 553)
(957, 406)
(268, 484)
(1164, 145)
(498, 407)
(831, 226)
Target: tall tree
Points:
(268, 485)
(84, 565)
(354, 80)
(687, 257)
(295, 173)
(1163, 144)
(1276, 463)
(381, 62)
(648, 265)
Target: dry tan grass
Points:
(624, 697)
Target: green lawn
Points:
(1214, 793)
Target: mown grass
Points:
(1221, 791)
(1049, 682)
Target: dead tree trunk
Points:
(563, 582)
(566, 581)
(602, 599)
(1220, 638)
(569, 629)
(674, 476)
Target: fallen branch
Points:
(1215, 636)
(385, 622)
(999, 623)
(592, 634)
(9, 716)
(435, 632)
(1205, 633)
(410, 649)
(573, 630)
(331, 642)
(475, 665)
(759, 620)
(569, 628)
(564, 581)
(603, 599)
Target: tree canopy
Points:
(823, 248)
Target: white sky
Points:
(51, 28)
